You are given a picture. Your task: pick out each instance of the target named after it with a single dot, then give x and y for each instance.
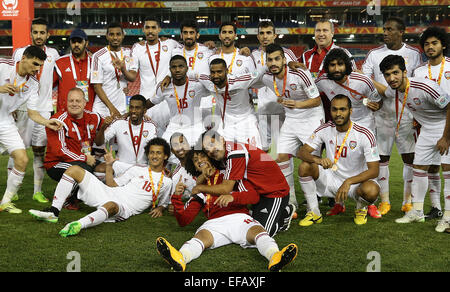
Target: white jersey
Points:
(45, 77)
(127, 141)
(237, 64)
(299, 86)
(422, 72)
(196, 58)
(362, 87)
(103, 72)
(266, 103)
(152, 62)
(187, 179)
(29, 88)
(427, 102)
(359, 149)
(136, 186)
(185, 110)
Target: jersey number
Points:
(147, 186)
(191, 61)
(343, 153)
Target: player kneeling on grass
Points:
(122, 197)
(228, 220)
(350, 168)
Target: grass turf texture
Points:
(337, 244)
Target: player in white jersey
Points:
(349, 169)
(429, 104)
(237, 120)
(122, 197)
(386, 118)
(131, 135)
(296, 92)
(110, 73)
(434, 43)
(18, 86)
(32, 133)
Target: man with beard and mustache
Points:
(349, 169)
(73, 70)
(386, 118)
(33, 133)
(434, 42)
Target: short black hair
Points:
(265, 24)
(189, 23)
(228, 23)
(159, 142)
(338, 54)
(272, 48)
(139, 97)
(177, 57)
(152, 18)
(35, 52)
(400, 22)
(40, 20)
(218, 61)
(390, 61)
(113, 25)
(343, 96)
(437, 32)
(190, 167)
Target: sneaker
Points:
(310, 219)
(384, 208)
(45, 215)
(411, 216)
(283, 257)
(373, 212)
(433, 214)
(287, 221)
(442, 225)
(39, 196)
(337, 209)
(70, 229)
(15, 198)
(331, 202)
(172, 256)
(360, 216)
(10, 208)
(407, 207)
(75, 206)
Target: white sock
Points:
(309, 190)
(192, 249)
(101, 176)
(287, 170)
(446, 175)
(62, 191)
(419, 188)
(361, 203)
(95, 218)
(39, 173)
(10, 164)
(13, 184)
(266, 245)
(434, 188)
(407, 182)
(383, 181)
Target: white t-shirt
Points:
(360, 147)
(45, 79)
(422, 72)
(186, 178)
(239, 65)
(120, 130)
(195, 59)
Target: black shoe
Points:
(331, 202)
(433, 214)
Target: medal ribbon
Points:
(15, 79)
(195, 55)
(338, 155)
(180, 109)
(208, 196)
(440, 71)
(157, 58)
(403, 105)
(225, 97)
(284, 83)
(352, 91)
(230, 67)
(114, 56)
(155, 196)
(136, 149)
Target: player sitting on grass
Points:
(228, 220)
(122, 197)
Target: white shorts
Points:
(385, 135)
(295, 132)
(32, 133)
(328, 184)
(269, 127)
(10, 139)
(243, 131)
(426, 152)
(95, 194)
(230, 229)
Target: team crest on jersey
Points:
(331, 142)
(192, 93)
(145, 133)
(352, 144)
(165, 48)
(293, 86)
(200, 56)
(417, 101)
(25, 88)
(239, 63)
(447, 75)
(91, 127)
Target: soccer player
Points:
(73, 70)
(428, 103)
(122, 197)
(228, 221)
(386, 118)
(296, 92)
(243, 161)
(111, 70)
(434, 43)
(33, 133)
(131, 135)
(349, 169)
(18, 86)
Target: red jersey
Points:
(245, 162)
(73, 140)
(244, 194)
(68, 72)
